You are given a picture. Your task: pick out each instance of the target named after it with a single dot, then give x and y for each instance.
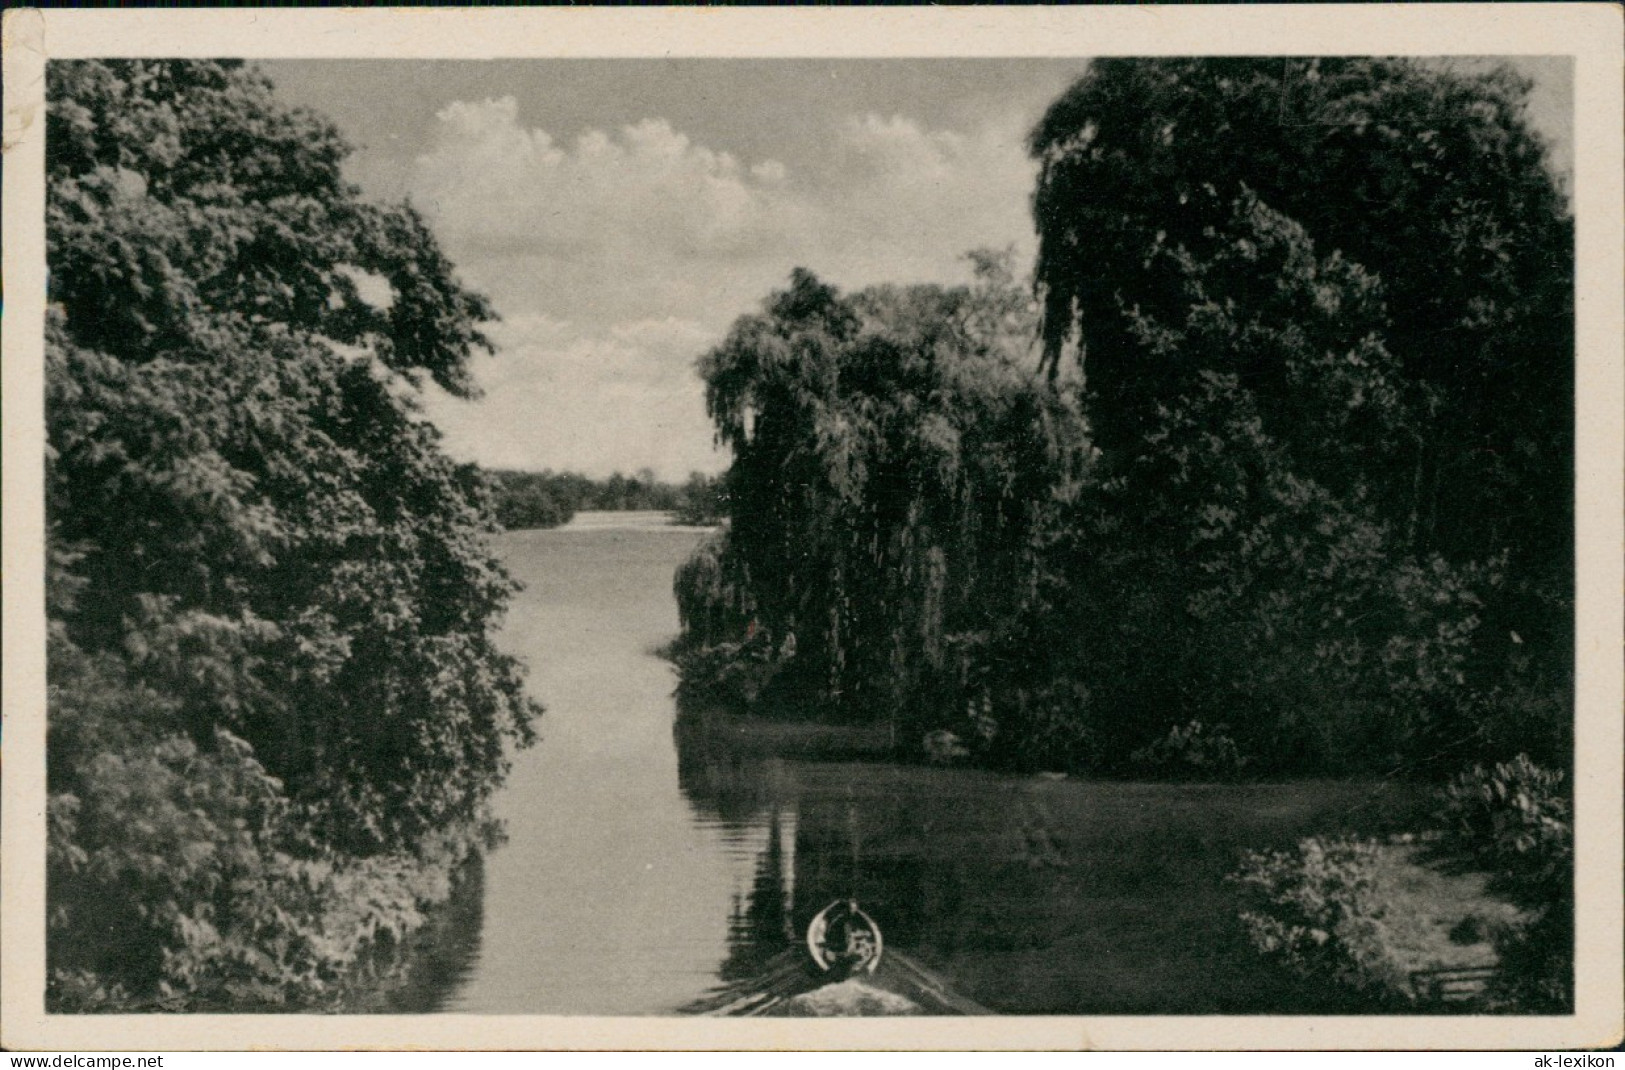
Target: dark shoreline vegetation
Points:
(1285, 492)
(1264, 476)
(547, 499)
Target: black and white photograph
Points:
(655, 534)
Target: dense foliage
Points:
(1323, 520)
(1323, 910)
(1288, 490)
(548, 499)
(530, 500)
(1513, 820)
(1323, 314)
(276, 712)
(1319, 912)
(1323, 311)
(704, 501)
(893, 465)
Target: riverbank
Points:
(1038, 895)
(801, 740)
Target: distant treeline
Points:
(547, 499)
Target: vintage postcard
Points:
(822, 528)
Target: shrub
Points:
(727, 674)
(1513, 820)
(1049, 727)
(1536, 974)
(1319, 914)
(1192, 750)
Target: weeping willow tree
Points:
(895, 465)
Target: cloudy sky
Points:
(621, 213)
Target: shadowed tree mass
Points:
(276, 710)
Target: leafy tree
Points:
(893, 461)
(1428, 179)
(262, 563)
(1323, 311)
(531, 500)
(703, 502)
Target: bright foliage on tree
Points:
(272, 672)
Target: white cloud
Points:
(915, 200)
(594, 402)
(500, 188)
(619, 257)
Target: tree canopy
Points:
(894, 460)
(1323, 310)
(1288, 491)
(262, 562)
(1310, 322)
(1429, 179)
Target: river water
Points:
(611, 896)
(649, 862)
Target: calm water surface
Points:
(649, 863)
(612, 896)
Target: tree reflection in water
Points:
(815, 844)
(442, 953)
(739, 790)
(827, 830)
